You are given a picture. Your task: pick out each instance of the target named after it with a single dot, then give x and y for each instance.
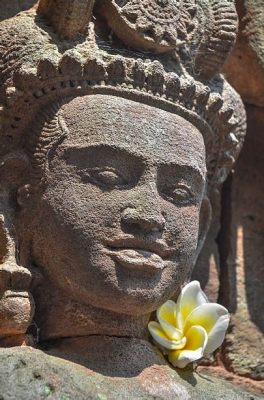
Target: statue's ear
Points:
(205, 221)
(13, 170)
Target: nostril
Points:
(152, 227)
(138, 219)
(129, 216)
(157, 224)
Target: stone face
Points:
(110, 159)
(131, 181)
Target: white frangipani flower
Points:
(190, 328)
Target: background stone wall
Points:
(245, 262)
(231, 266)
(8, 8)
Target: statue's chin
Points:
(136, 296)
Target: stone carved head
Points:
(110, 155)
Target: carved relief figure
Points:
(116, 129)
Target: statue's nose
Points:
(144, 212)
(146, 219)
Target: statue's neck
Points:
(108, 355)
(59, 317)
(100, 340)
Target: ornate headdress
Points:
(165, 53)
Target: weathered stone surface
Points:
(245, 262)
(109, 161)
(240, 269)
(245, 67)
(9, 8)
(42, 376)
(207, 268)
(240, 245)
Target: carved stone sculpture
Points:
(116, 128)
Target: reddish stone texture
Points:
(10, 8)
(206, 270)
(245, 68)
(220, 371)
(238, 253)
(239, 285)
(231, 265)
(245, 262)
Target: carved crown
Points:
(165, 53)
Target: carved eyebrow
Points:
(100, 153)
(190, 169)
(102, 147)
(89, 153)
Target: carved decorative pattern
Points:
(162, 20)
(204, 31)
(68, 17)
(34, 74)
(160, 25)
(142, 81)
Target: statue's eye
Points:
(109, 178)
(180, 194)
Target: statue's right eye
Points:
(108, 177)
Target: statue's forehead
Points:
(140, 129)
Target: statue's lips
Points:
(16, 293)
(132, 252)
(136, 258)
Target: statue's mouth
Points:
(16, 293)
(135, 253)
(135, 258)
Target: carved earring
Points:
(16, 303)
(23, 195)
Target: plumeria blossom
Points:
(191, 328)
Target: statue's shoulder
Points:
(204, 387)
(30, 374)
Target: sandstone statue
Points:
(116, 129)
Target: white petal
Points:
(167, 319)
(160, 337)
(194, 349)
(190, 298)
(167, 312)
(217, 334)
(207, 316)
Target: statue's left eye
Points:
(109, 178)
(179, 194)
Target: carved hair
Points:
(49, 129)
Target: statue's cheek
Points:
(183, 222)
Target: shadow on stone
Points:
(10, 8)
